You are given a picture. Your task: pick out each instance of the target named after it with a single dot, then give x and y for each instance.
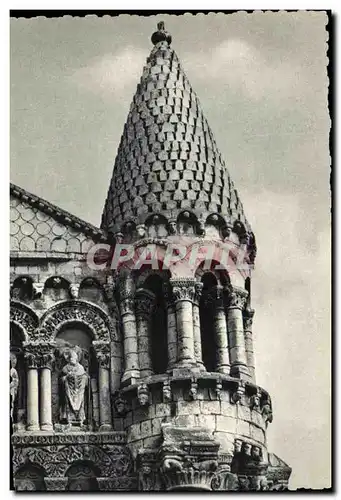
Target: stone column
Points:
(127, 309)
(220, 330)
(183, 293)
(172, 333)
(237, 300)
(196, 326)
(250, 358)
(32, 360)
(102, 350)
(46, 362)
(144, 309)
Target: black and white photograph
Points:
(170, 251)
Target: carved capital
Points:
(237, 298)
(197, 292)
(56, 483)
(183, 289)
(188, 458)
(39, 355)
(24, 485)
(188, 475)
(127, 305)
(144, 303)
(102, 350)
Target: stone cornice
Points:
(23, 439)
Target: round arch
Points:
(68, 313)
(24, 318)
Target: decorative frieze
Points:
(20, 440)
(111, 460)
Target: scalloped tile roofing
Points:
(167, 160)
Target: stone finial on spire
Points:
(161, 35)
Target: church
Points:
(131, 351)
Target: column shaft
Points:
(220, 327)
(197, 335)
(45, 400)
(248, 319)
(104, 398)
(32, 400)
(130, 345)
(235, 327)
(184, 323)
(172, 336)
(144, 345)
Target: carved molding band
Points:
(63, 313)
(69, 438)
(23, 317)
(111, 460)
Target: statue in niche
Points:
(74, 381)
(14, 382)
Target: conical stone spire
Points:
(168, 161)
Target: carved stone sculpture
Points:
(143, 395)
(14, 382)
(74, 381)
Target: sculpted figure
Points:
(14, 382)
(74, 381)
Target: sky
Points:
(262, 82)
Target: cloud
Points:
(243, 67)
(117, 72)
